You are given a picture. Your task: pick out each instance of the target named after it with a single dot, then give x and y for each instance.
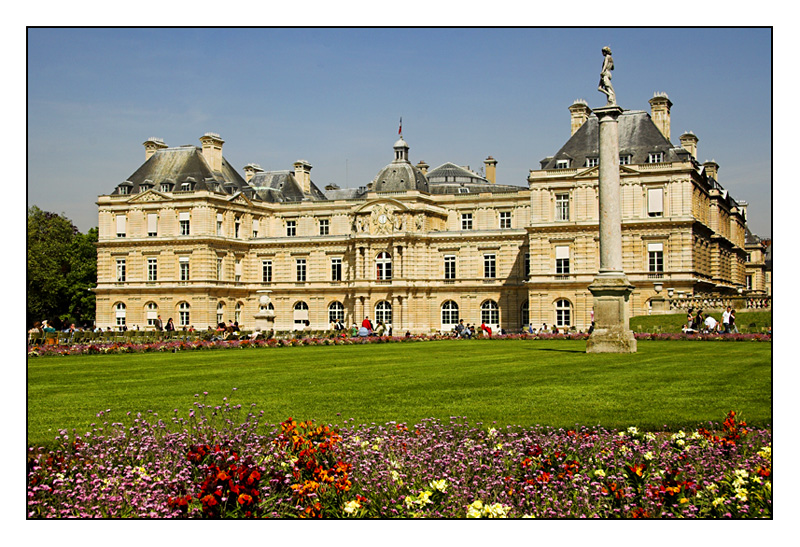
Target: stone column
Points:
(610, 288)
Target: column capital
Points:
(608, 113)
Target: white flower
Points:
(648, 455)
(352, 506)
(498, 446)
(633, 431)
(474, 510)
(680, 442)
(496, 511)
(766, 452)
(492, 432)
(741, 494)
(440, 485)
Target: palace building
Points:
(188, 237)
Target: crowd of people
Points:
(706, 324)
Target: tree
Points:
(62, 267)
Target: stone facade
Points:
(189, 238)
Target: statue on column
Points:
(605, 77)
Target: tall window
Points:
(219, 224)
(151, 313)
(655, 257)
(152, 224)
(183, 268)
(562, 259)
(383, 312)
(563, 313)
(335, 312)
(220, 312)
(449, 315)
(526, 266)
(122, 221)
(524, 314)
(119, 312)
(237, 312)
(384, 266)
(490, 313)
(255, 228)
(120, 270)
(219, 268)
(562, 206)
(183, 223)
(655, 202)
(291, 228)
(300, 265)
(748, 280)
(324, 226)
(152, 269)
(300, 314)
(505, 220)
(336, 269)
(489, 266)
(266, 271)
(237, 270)
(466, 221)
(449, 267)
(237, 225)
(183, 314)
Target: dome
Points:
(400, 175)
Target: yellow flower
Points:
(351, 507)
(440, 485)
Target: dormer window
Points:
(166, 187)
(463, 190)
(186, 186)
(123, 190)
(655, 157)
(592, 162)
(625, 159)
(562, 164)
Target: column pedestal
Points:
(611, 332)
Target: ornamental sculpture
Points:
(605, 77)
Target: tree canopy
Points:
(62, 267)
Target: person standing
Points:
(726, 318)
(158, 324)
(367, 324)
(732, 321)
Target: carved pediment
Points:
(240, 198)
(148, 196)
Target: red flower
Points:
(244, 499)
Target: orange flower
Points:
(244, 499)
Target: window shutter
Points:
(562, 251)
(238, 268)
(219, 217)
(152, 223)
(121, 224)
(183, 216)
(255, 225)
(655, 200)
(655, 247)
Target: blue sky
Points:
(334, 98)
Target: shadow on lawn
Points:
(561, 350)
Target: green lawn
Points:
(746, 321)
(673, 384)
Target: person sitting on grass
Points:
(710, 324)
(486, 329)
(380, 329)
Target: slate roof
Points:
(184, 164)
(280, 186)
(638, 137)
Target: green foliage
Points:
(62, 266)
(522, 382)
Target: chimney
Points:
(152, 145)
(302, 172)
(422, 166)
(689, 143)
(250, 170)
(212, 150)
(580, 113)
(659, 111)
(711, 168)
(490, 166)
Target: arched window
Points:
(524, 315)
(384, 266)
(335, 312)
(183, 314)
(490, 314)
(449, 315)
(383, 312)
(119, 311)
(220, 312)
(300, 315)
(563, 313)
(151, 313)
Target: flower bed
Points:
(217, 463)
(180, 345)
